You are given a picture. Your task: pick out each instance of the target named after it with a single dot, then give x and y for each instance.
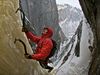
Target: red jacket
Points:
(44, 44)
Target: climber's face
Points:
(44, 31)
(47, 32)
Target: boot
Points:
(51, 68)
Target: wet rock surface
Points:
(12, 60)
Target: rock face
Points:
(91, 9)
(69, 12)
(42, 13)
(12, 60)
(69, 18)
(69, 21)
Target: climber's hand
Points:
(24, 29)
(28, 56)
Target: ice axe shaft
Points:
(23, 45)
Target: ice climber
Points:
(44, 46)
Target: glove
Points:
(24, 29)
(28, 56)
